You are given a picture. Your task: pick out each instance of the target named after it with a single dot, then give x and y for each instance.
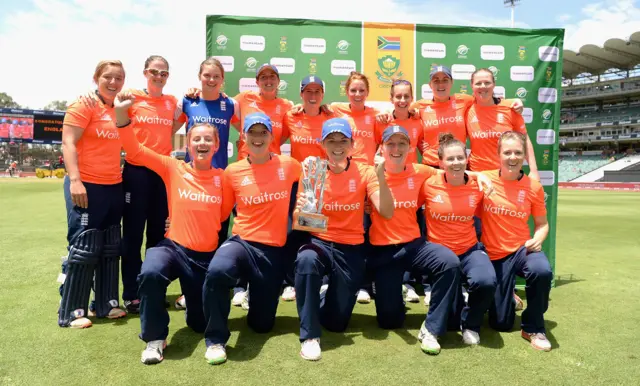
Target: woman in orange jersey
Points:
(486, 120)
(195, 194)
(261, 186)
(337, 253)
(93, 196)
(510, 246)
(398, 247)
(451, 200)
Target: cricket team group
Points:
(455, 223)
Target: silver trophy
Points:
(309, 217)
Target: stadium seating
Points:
(570, 168)
(606, 115)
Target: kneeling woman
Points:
(195, 204)
(512, 250)
(261, 187)
(338, 252)
(398, 247)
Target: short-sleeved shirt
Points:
(485, 126)
(153, 121)
(442, 117)
(216, 112)
(406, 189)
(343, 203)
(449, 213)
(506, 212)
(305, 134)
(252, 102)
(363, 127)
(262, 194)
(99, 146)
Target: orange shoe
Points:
(538, 340)
(116, 313)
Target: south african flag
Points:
(389, 43)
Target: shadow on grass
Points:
(566, 279)
(183, 343)
(491, 338)
(368, 326)
(250, 343)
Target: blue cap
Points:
(311, 79)
(393, 130)
(443, 69)
(257, 118)
(336, 125)
(267, 66)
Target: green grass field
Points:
(592, 320)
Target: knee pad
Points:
(107, 272)
(76, 288)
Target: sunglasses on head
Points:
(155, 72)
(401, 81)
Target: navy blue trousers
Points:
(262, 266)
(163, 264)
(429, 259)
(145, 202)
(535, 269)
(344, 265)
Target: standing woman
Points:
(93, 196)
(510, 246)
(216, 109)
(262, 187)
(451, 200)
(398, 247)
(145, 196)
(195, 194)
(337, 253)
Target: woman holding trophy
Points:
(337, 188)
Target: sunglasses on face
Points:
(155, 72)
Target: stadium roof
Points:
(616, 53)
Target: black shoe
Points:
(132, 306)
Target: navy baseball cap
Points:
(311, 79)
(443, 69)
(393, 130)
(267, 66)
(336, 125)
(255, 119)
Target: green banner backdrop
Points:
(527, 64)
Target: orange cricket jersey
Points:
(363, 128)
(442, 117)
(343, 203)
(413, 127)
(195, 196)
(406, 190)
(485, 125)
(305, 133)
(262, 194)
(449, 213)
(99, 147)
(252, 102)
(153, 121)
(506, 212)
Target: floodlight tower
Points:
(512, 4)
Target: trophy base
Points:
(310, 222)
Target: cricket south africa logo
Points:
(388, 58)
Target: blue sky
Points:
(55, 44)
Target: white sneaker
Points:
(216, 354)
(310, 350)
(289, 294)
(410, 295)
(470, 337)
(181, 304)
(153, 353)
(324, 288)
(428, 342)
(364, 297)
(238, 298)
(245, 301)
(465, 295)
(427, 298)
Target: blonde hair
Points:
(102, 67)
(522, 138)
(211, 61)
(216, 134)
